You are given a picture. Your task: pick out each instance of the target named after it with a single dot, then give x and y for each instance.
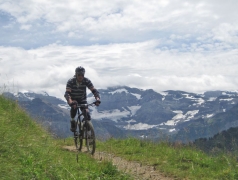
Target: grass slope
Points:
(28, 152)
(177, 160)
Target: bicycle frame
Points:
(85, 129)
(83, 113)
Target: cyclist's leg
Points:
(86, 113)
(73, 114)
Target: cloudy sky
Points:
(157, 44)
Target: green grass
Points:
(27, 151)
(177, 161)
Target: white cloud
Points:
(129, 20)
(226, 33)
(48, 68)
(162, 44)
(25, 27)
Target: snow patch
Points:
(64, 106)
(171, 130)
(212, 99)
(133, 109)
(138, 96)
(169, 123)
(16, 94)
(200, 101)
(229, 99)
(177, 99)
(178, 112)
(163, 93)
(31, 98)
(24, 94)
(190, 114)
(209, 115)
(119, 91)
(91, 99)
(188, 96)
(130, 121)
(179, 117)
(26, 91)
(139, 126)
(114, 114)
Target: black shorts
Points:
(73, 112)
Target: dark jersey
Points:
(77, 91)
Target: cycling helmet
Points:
(80, 70)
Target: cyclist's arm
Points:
(95, 92)
(67, 95)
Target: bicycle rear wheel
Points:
(90, 138)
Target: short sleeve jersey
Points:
(79, 90)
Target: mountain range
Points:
(126, 111)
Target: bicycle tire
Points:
(90, 138)
(76, 139)
(80, 137)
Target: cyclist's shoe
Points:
(73, 126)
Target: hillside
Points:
(29, 152)
(176, 160)
(225, 141)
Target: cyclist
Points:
(76, 93)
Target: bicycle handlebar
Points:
(86, 105)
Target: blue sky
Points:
(158, 44)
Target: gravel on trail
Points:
(135, 169)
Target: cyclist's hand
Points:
(97, 102)
(73, 104)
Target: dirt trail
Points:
(137, 170)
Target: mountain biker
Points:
(76, 93)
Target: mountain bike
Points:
(84, 130)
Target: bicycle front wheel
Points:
(90, 138)
(76, 139)
(81, 132)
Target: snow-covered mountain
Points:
(135, 109)
(138, 112)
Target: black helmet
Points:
(80, 70)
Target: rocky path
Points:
(136, 169)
